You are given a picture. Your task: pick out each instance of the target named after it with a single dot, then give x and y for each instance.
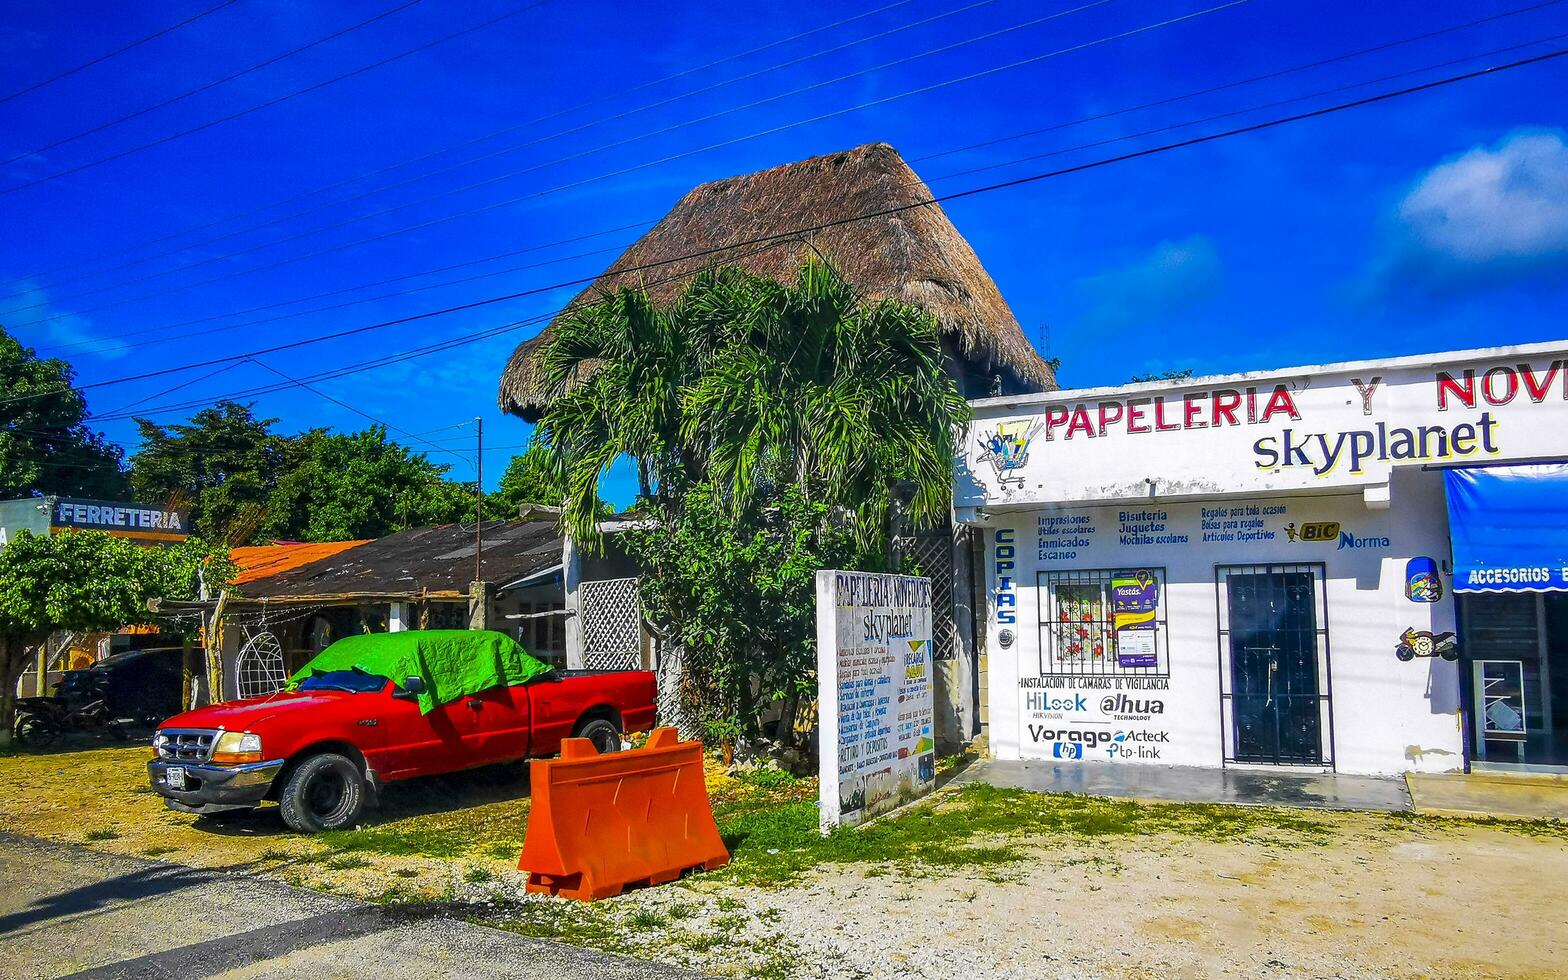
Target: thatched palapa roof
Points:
(912, 254)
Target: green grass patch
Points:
(563, 920)
(159, 850)
(478, 874)
(104, 833)
(348, 862)
(771, 846)
(503, 850)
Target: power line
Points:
(768, 241)
(457, 146)
(208, 86)
(26, 90)
(1266, 76)
(169, 338)
(343, 404)
(449, 168)
(574, 184)
(270, 102)
(1058, 126)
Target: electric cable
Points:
(67, 73)
(387, 168)
(574, 184)
(513, 148)
(208, 86)
(287, 96)
(767, 241)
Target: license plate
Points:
(174, 777)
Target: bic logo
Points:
(1006, 564)
(1321, 531)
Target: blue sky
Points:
(1432, 222)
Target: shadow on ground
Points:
(450, 793)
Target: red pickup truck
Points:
(323, 749)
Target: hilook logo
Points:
(1006, 564)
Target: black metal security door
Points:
(1273, 646)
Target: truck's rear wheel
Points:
(325, 792)
(603, 733)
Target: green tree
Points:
(223, 463)
(770, 424)
(737, 597)
(527, 480)
(87, 581)
(340, 486)
(45, 446)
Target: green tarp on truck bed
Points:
(452, 663)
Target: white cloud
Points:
(43, 325)
(1491, 213)
(1172, 276)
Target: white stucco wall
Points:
(1387, 715)
(1357, 444)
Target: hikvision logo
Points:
(1006, 591)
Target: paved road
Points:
(67, 911)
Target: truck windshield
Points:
(352, 681)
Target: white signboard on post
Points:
(875, 708)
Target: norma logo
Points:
(1006, 566)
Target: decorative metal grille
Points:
(932, 553)
(612, 624)
(259, 670)
(1078, 629)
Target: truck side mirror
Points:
(414, 685)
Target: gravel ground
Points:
(1386, 897)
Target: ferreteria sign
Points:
(127, 520)
(875, 707)
(1323, 427)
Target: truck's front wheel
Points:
(325, 792)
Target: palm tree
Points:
(746, 381)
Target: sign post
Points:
(875, 707)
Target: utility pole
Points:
(479, 498)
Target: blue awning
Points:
(1509, 527)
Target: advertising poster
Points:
(875, 707)
(1135, 598)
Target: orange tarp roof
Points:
(261, 561)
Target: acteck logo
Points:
(1006, 563)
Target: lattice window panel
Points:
(259, 670)
(933, 552)
(611, 619)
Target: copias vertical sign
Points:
(875, 705)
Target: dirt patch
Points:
(427, 839)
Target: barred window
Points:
(1079, 616)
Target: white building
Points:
(1261, 569)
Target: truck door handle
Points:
(475, 703)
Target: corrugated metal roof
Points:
(424, 559)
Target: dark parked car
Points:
(143, 685)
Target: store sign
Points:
(100, 515)
(876, 709)
(1335, 426)
(1135, 596)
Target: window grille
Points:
(611, 623)
(1077, 632)
(259, 670)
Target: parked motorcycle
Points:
(39, 721)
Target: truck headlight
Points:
(237, 748)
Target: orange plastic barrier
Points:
(603, 822)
